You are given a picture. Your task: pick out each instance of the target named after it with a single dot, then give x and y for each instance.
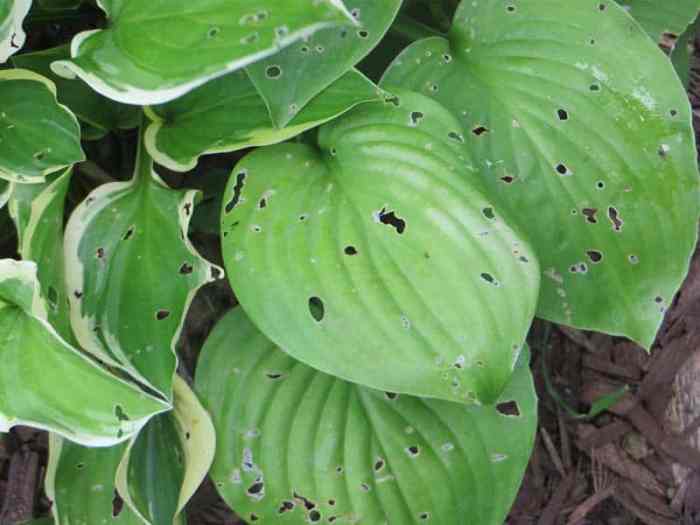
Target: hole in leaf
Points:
(254, 517)
(508, 179)
(416, 117)
(457, 137)
(286, 506)
(480, 130)
(350, 250)
(510, 8)
(129, 233)
(240, 181)
(314, 516)
(362, 33)
(562, 169)
(390, 219)
(119, 412)
(615, 218)
(489, 213)
(424, 516)
(489, 278)
(562, 114)
(590, 214)
(316, 309)
(509, 408)
(391, 396)
(186, 269)
(413, 451)
(273, 72)
(256, 489)
(162, 314)
(379, 465)
(117, 504)
(100, 253)
(595, 256)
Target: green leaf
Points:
(167, 462)
(298, 446)
(136, 62)
(81, 483)
(227, 114)
(37, 211)
(662, 17)
(289, 80)
(78, 399)
(583, 132)
(379, 245)
(12, 36)
(39, 136)
(132, 273)
(90, 107)
(683, 53)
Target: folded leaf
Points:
(658, 18)
(299, 446)
(289, 80)
(581, 130)
(379, 244)
(167, 462)
(76, 398)
(132, 273)
(12, 36)
(89, 106)
(39, 135)
(227, 114)
(136, 62)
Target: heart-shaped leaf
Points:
(289, 80)
(39, 136)
(132, 273)
(90, 107)
(379, 245)
(12, 13)
(136, 62)
(298, 446)
(78, 399)
(658, 18)
(583, 132)
(228, 114)
(168, 460)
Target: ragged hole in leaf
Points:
(100, 253)
(590, 214)
(129, 233)
(240, 181)
(162, 314)
(308, 504)
(595, 256)
(562, 114)
(480, 130)
(256, 490)
(117, 504)
(489, 279)
(286, 506)
(119, 412)
(390, 219)
(508, 408)
(317, 309)
(416, 117)
(615, 218)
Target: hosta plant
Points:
(411, 183)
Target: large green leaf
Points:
(659, 17)
(89, 106)
(48, 384)
(168, 460)
(298, 446)
(39, 136)
(582, 130)
(81, 483)
(12, 13)
(137, 62)
(227, 114)
(132, 273)
(38, 211)
(379, 245)
(289, 80)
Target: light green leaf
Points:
(39, 136)
(379, 245)
(167, 462)
(227, 114)
(132, 273)
(90, 107)
(136, 62)
(289, 80)
(81, 483)
(38, 211)
(12, 36)
(583, 132)
(78, 399)
(298, 446)
(659, 17)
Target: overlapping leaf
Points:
(227, 114)
(299, 446)
(132, 273)
(136, 62)
(39, 136)
(582, 130)
(77, 399)
(12, 36)
(658, 18)
(90, 107)
(683, 54)
(379, 245)
(290, 79)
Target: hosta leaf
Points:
(81, 483)
(582, 130)
(167, 462)
(37, 211)
(291, 78)
(132, 273)
(39, 136)
(227, 114)
(683, 54)
(90, 107)
(298, 446)
(379, 245)
(12, 36)
(77, 399)
(658, 17)
(136, 62)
